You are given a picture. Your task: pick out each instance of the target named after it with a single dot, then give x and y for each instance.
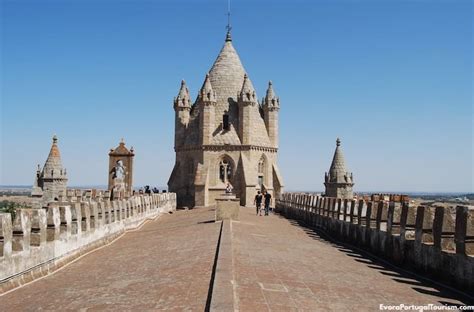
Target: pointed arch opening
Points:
(226, 169)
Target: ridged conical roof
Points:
(207, 93)
(271, 100)
(247, 93)
(227, 76)
(337, 171)
(183, 99)
(227, 80)
(53, 166)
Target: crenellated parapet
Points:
(39, 241)
(436, 241)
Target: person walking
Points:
(268, 198)
(258, 202)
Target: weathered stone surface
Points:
(169, 270)
(263, 264)
(282, 266)
(227, 207)
(46, 239)
(421, 253)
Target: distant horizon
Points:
(290, 190)
(392, 79)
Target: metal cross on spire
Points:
(228, 27)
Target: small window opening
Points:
(225, 123)
(225, 171)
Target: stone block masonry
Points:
(422, 239)
(39, 241)
(227, 208)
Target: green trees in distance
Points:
(9, 207)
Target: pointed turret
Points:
(52, 180)
(207, 101)
(53, 167)
(207, 94)
(182, 107)
(183, 100)
(247, 94)
(248, 111)
(271, 105)
(338, 181)
(271, 100)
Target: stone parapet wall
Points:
(434, 241)
(39, 241)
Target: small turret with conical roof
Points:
(271, 106)
(248, 111)
(52, 179)
(183, 100)
(182, 108)
(247, 94)
(207, 101)
(207, 93)
(338, 181)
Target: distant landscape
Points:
(20, 193)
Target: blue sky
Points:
(392, 79)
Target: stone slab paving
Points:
(166, 265)
(281, 266)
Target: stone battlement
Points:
(387, 197)
(431, 240)
(39, 241)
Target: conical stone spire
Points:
(207, 93)
(337, 170)
(53, 166)
(226, 76)
(183, 99)
(338, 181)
(247, 93)
(271, 100)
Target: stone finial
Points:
(183, 99)
(247, 93)
(207, 93)
(271, 100)
(228, 36)
(55, 139)
(338, 142)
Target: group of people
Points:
(264, 197)
(147, 190)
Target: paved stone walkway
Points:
(166, 265)
(281, 266)
(276, 265)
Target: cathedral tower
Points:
(225, 136)
(338, 181)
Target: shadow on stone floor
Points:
(397, 274)
(207, 221)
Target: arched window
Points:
(225, 170)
